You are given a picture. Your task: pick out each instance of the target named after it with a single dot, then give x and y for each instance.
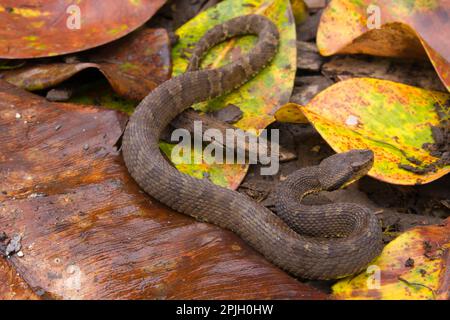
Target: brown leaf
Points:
(88, 231)
(133, 66)
(31, 29)
(416, 29)
(12, 286)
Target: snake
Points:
(325, 241)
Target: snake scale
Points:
(332, 240)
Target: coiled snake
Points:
(333, 240)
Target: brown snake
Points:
(334, 240)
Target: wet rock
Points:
(315, 4)
(59, 94)
(230, 114)
(308, 57)
(307, 31)
(14, 245)
(307, 87)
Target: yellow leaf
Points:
(290, 113)
(415, 265)
(258, 98)
(392, 119)
(401, 28)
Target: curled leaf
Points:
(31, 29)
(406, 29)
(133, 66)
(290, 112)
(394, 120)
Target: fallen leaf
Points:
(291, 113)
(407, 29)
(415, 265)
(392, 119)
(89, 232)
(31, 29)
(12, 286)
(300, 11)
(134, 65)
(258, 98)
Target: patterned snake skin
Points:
(335, 240)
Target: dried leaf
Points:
(31, 29)
(415, 265)
(258, 98)
(89, 232)
(300, 11)
(291, 113)
(133, 66)
(392, 119)
(12, 286)
(407, 29)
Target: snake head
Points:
(344, 168)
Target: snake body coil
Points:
(322, 254)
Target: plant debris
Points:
(441, 146)
(14, 245)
